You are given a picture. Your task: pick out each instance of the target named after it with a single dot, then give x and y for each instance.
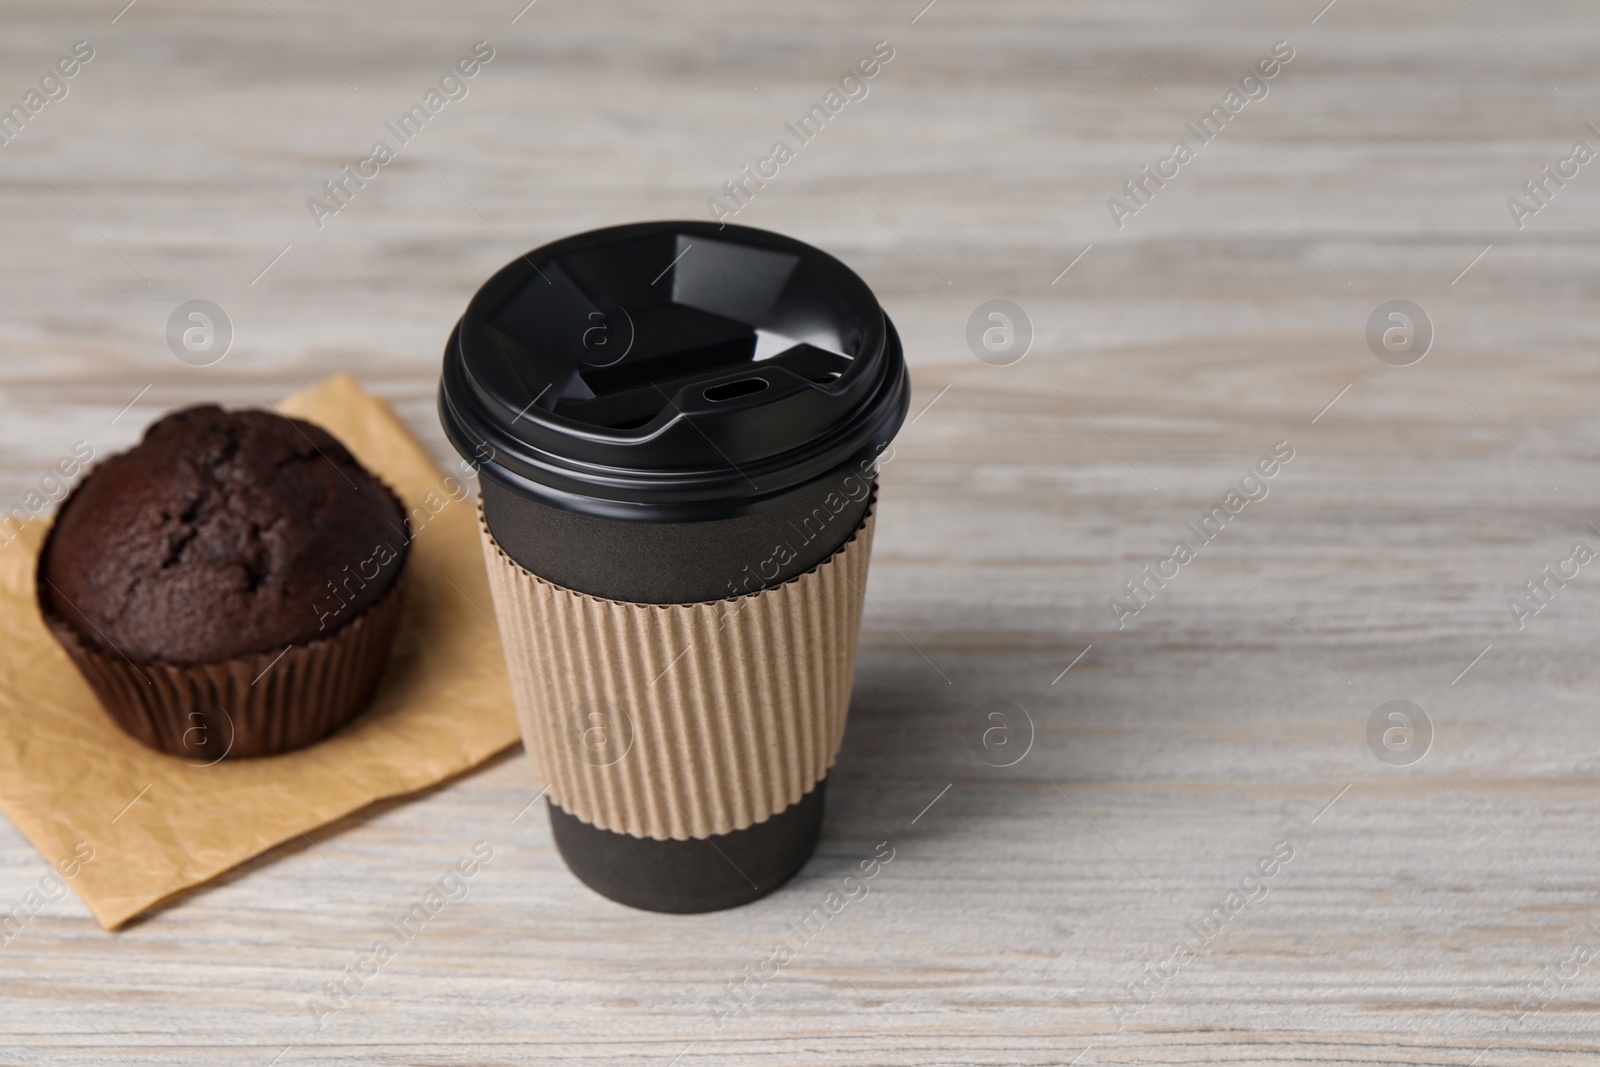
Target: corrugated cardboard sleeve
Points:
(679, 721)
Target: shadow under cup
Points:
(666, 417)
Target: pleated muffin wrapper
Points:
(257, 705)
(682, 721)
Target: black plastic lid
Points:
(671, 371)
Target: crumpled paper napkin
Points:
(153, 825)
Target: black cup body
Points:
(683, 563)
(754, 384)
(680, 562)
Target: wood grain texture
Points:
(1419, 910)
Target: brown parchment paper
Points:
(158, 825)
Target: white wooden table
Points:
(1423, 903)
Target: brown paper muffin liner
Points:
(257, 705)
(680, 721)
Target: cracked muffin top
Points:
(222, 534)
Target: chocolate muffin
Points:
(230, 586)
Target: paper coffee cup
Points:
(676, 427)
